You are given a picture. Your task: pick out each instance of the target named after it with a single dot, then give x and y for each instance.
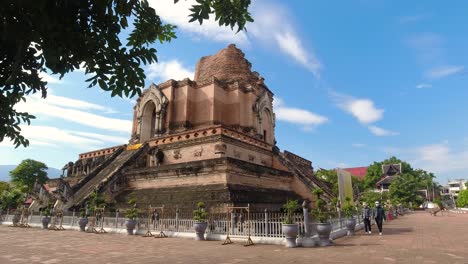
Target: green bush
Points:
(320, 212)
(462, 200)
(348, 209)
(82, 212)
(132, 212)
(199, 214)
(46, 211)
(290, 207)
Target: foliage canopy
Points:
(62, 36)
(29, 172)
(462, 200)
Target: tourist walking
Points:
(367, 216)
(379, 216)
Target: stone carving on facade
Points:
(198, 152)
(177, 154)
(251, 157)
(263, 162)
(237, 154)
(220, 148)
(67, 170)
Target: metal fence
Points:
(263, 224)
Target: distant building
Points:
(455, 186)
(358, 172)
(390, 172)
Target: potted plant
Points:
(83, 221)
(131, 214)
(200, 221)
(348, 211)
(322, 215)
(16, 218)
(290, 229)
(46, 218)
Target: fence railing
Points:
(267, 224)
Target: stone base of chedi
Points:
(211, 139)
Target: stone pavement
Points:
(413, 238)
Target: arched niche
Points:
(264, 119)
(148, 119)
(151, 114)
(267, 125)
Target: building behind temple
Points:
(210, 139)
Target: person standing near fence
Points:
(379, 216)
(366, 216)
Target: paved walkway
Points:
(414, 238)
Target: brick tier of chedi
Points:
(210, 139)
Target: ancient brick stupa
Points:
(210, 139)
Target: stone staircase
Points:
(302, 169)
(112, 168)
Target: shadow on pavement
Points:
(354, 245)
(395, 230)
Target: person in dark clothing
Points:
(379, 216)
(367, 216)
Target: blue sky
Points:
(354, 82)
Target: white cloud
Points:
(358, 145)
(267, 17)
(444, 71)
(378, 131)
(423, 85)
(178, 14)
(74, 103)
(36, 106)
(411, 19)
(166, 70)
(429, 47)
(273, 25)
(362, 109)
(297, 116)
(53, 137)
(49, 78)
(102, 137)
(291, 45)
(439, 158)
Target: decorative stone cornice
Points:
(99, 152)
(193, 137)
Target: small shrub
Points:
(132, 212)
(83, 212)
(348, 208)
(290, 206)
(199, 214)
(46, 211)
(320, 212)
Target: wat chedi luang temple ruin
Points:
(209, 139)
